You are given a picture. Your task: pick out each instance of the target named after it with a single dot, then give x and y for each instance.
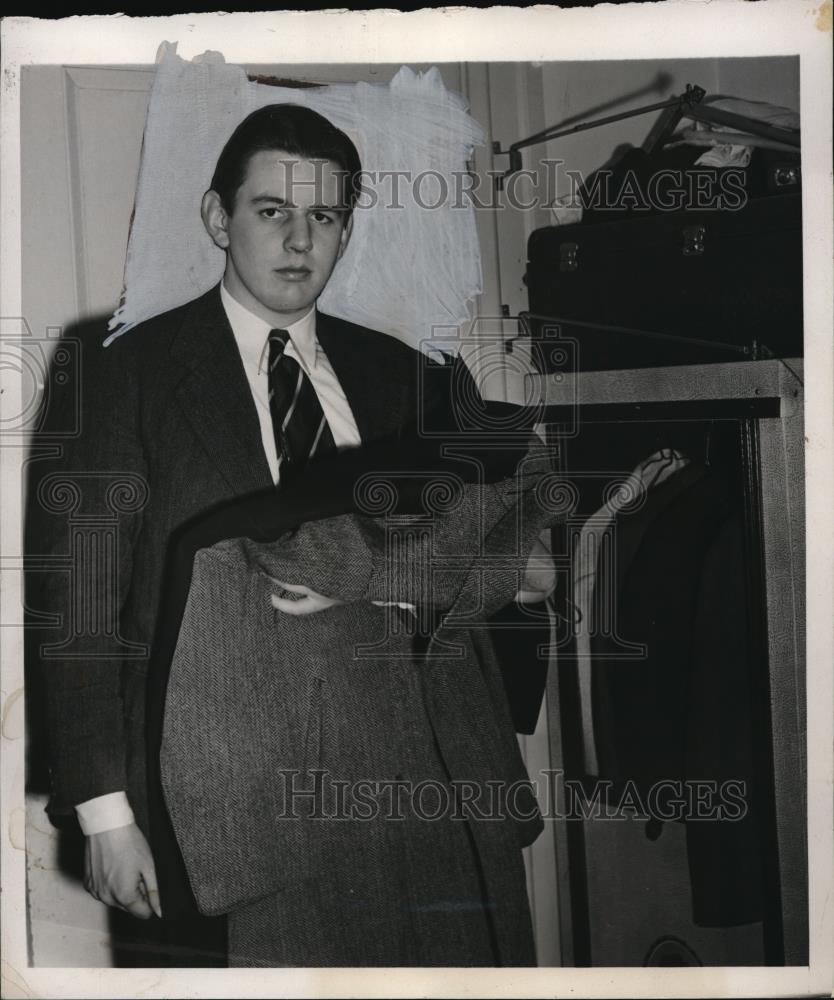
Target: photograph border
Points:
(672, 29)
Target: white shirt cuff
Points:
(105, 812)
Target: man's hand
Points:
(539, 576)
(119, 871)
(307, 602)
(537, 585)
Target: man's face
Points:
(284, 235)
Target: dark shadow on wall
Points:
(133, 942)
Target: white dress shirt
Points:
(252, 338)
(251, 333)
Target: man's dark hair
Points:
(294, 129)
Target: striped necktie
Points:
(298, 422)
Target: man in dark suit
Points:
(180, 413)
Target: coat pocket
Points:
(314, 730)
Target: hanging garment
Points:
(685, 711)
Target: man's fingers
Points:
(139, 903)
(540, 577)
(288, 604)
(153, 899)
(134, 900)
(119, 871)
(291, 606)
(292, 588)
(152, 890)
(530, 596)
(304, 605)
(138, 906)
(539, 580)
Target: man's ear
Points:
(345, 237)
(215, 219)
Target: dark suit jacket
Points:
(168, 430)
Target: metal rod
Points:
(524, 318)
(547, 134)
(692, 95)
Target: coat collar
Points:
(381, 396)
(215, 396)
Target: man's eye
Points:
(324, 218)
(271, 213)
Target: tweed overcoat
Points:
(329, 753)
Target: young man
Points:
(226, 396)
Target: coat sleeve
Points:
(419, 559)
(84, 511)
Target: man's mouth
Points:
(294, 273)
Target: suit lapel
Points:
(377, 397)
(215, 396)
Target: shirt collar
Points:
(252, 333)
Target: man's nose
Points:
(300, 236)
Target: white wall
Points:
(585, 91)
(775, 80)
